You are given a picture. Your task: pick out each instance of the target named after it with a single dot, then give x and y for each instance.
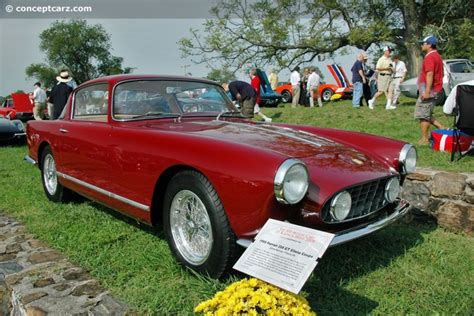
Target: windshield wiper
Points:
(152, 114)
(228, 113)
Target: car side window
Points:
(91, 103)
(460, 67)
(142, 97)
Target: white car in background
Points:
(455, 71)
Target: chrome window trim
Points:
(112, 97)
(72, 117)
(122, 199)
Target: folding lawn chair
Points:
(463, 118)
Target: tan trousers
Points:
(314, 91)
(38, 110)
(396, 90)
(296, 95)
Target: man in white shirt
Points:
(295, 86)
(39, 99)
(399, 72)
(384, 77)
(313, 87)
(450, 102)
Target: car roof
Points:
(448, 61)
(114, 79)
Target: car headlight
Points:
(407, 158)
(20, 126)
(392, 190)
(291, 182)
(341, 206)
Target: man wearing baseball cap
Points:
(430, 88)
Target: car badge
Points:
(357, 161)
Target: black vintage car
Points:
(11, 130)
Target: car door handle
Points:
(62, 130)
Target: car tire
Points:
(196, 226)
(286, 96)
(54, 190)
(327, 94)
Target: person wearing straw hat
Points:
(60, 94)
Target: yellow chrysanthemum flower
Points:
(254, 297)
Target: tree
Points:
(83, 49)
(292, 32)
(43, 73)
(221, 75)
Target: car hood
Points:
(10, 126)
(278, 139)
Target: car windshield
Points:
(151, 99)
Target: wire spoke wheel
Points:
(50, 176)
(191, 227)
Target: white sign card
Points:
(284, 254)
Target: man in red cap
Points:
(430, 88)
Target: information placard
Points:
(284, 254)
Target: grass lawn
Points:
(413, 268)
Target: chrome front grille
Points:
(367, 198)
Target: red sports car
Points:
(19, 106)
(325, 90)
(174, 151)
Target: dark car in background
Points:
(11, 130)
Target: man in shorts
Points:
(384, 69)
(430, 88)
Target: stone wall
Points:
(447, 196)
(36, 280)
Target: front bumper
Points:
(359, 231)
(370, 228)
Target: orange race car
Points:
(326, 90)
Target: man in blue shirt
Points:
(358, 80)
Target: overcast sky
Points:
(148, 45)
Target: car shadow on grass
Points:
(339, 265)
(156, 231)
(355, 259)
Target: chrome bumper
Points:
(30, 160)
(346, 236)
(358, 232)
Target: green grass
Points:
(397, 124)
(405, 268)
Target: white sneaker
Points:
(267, 120)
(371, 104)
(391, 107)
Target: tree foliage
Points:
(221, 75)
(43, 73)
(83, 49)
(291, 32)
